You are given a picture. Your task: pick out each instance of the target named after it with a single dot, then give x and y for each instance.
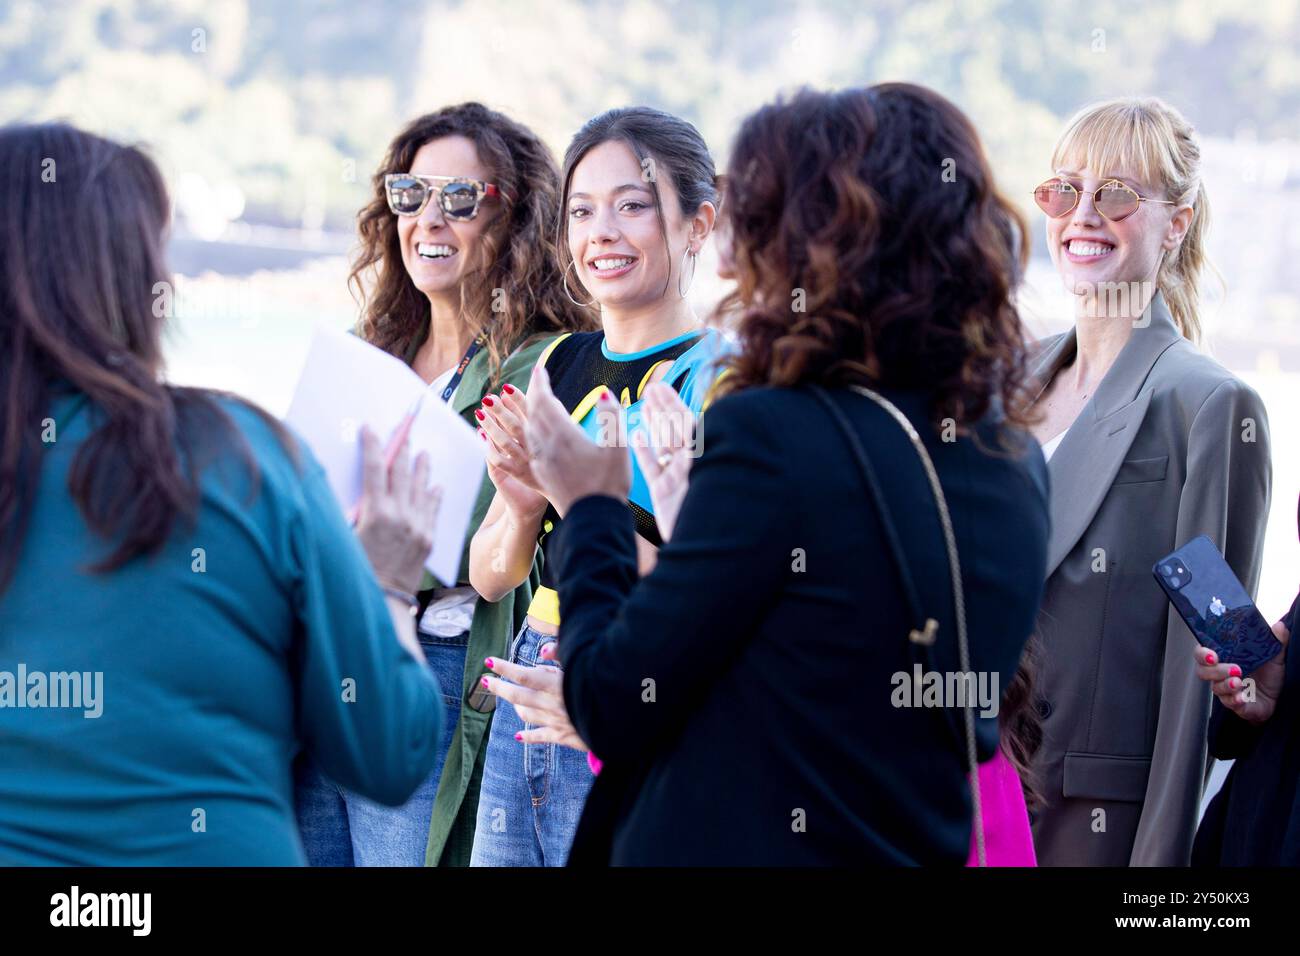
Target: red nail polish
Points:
(1211, 659)
(478, 413)
(519, 736)
(605, 394)
(1235, 671)
(510, 389)
(488, 661)
(482, 434)
(488, 401)
(485, 683)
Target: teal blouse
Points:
(255, 633)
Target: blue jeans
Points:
(532, 794)
(341, 828)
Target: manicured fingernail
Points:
(519, 736)
(482, 434)
(604, 394)
(509, 389)
(488, 401)
(487, 661)
(1234, 670)
(1233, 682)
(1211, 659)
(485, 683)
(478, 413)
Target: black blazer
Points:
(1254, 820)
(742, 695)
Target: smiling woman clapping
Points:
(739, 695)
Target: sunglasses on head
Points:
(458, 197)
(1113, 199)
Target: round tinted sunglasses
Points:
(1113, 199)
(458, 197)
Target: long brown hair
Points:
(81, 228)
(872, 245)
(518, 255)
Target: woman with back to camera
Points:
(639, 198)
(809, 565)
(1150, 443)
(220, 597)
(458, 236)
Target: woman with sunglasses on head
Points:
(639, 201)
(1150, 443)
(458, 238)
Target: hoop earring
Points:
(564, 281)
(682, 270)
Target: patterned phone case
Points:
(1208, 596)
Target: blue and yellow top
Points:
(580, 366)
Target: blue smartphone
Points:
(1208, 596)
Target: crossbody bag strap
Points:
(928, 634)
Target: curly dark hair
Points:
(1020, 729)
(872, 246)
(519, 253)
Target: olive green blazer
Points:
(455, 808)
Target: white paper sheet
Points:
(347, 383)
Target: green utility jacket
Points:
(455, 808)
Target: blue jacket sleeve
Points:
(368, 712)
(639, 656)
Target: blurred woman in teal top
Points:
(182, 605)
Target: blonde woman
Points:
(1149, 443)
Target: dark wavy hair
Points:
(518, 254)
(872, 246)
(82, 271)
(1020, 729)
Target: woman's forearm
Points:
(646, 556)
(501, 554)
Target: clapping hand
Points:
(397, 513)
(565, 462)
(665, 455)
(537, 694)
(502, 420)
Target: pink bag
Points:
(1007, 837)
